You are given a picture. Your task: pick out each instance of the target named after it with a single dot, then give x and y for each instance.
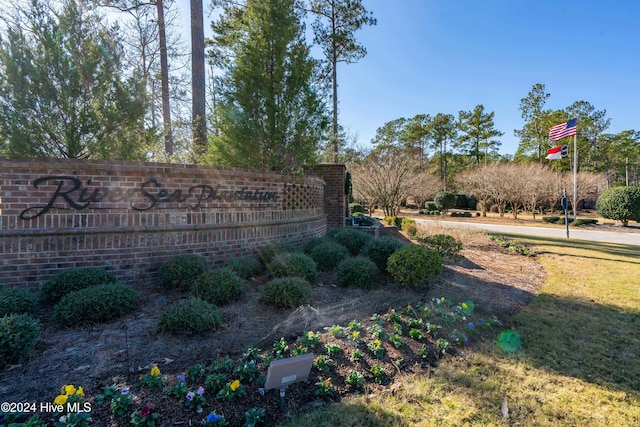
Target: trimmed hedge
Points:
(380, 249)
(328, 255)
(194, 315)
(219, 287)
(293, 265)
(96, 304)
(620, 204)
(352, 239)
(286, 292)
(181, 271)
(357, 271)
(18, 335)
(245, 267)
(67, 281)
(17, 301)
(446, 245)
(414, 264)
(268, 252)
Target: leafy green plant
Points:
(153, 379)
(268, 252)
(299, 349)
(324, 388)
(245, 267)
(253, 417)
(322, 363)
(380, 249)
(145, 417)
(120, 402)
(95, 304)
(416, 334)
(414, 264)
(293, 265)
(396, 340)
(377, 331)
(195, 373)
(376, 348)
(181, 271)
(17, 301)
(231, 391)
(408, 225)
(219, 287)
(352, 239)
(214, 382)
(195, 400)
(179, 389)
(286, 292)
(377, 372)
(214, 420)
(620, 204)
(551, 219)
(584, 221)
(333, 348)
(356, 355)
(444, 201)
(18, 334)
(310, 339)
(335, 331)
(355, 325)
(193, 315)
(328, 254)
(513, 246)
(356, 380)
(443, 345)
(446, 245)
(357, 271)
(281, 347)
(67, 281)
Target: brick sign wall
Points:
(129, 218)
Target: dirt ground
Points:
(499, 282)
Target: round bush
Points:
(18, 334)
(446, 245)
(430, 206)
(328, 254)
(408, 225)
(17, 301)
(194, 315)
(352, 239)
(68, 281)
(267, 253)
(293, 265)
(313, 242)
(444, 200)
(96, 304)
(245, 267)
(182, 270)
(380, 249)
(414, 264)
(219, 286)
(357, 208)
(620, 204)
(357, 271)
(286, 292)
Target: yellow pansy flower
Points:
(69, 389)
(61, 399)
(80, 391)
(327, 383)
(155, 371)
(464, 305)
(234, 385)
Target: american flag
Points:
(563, 130)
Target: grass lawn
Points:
(578, 365)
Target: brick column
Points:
(336, 201)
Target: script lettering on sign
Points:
(70, 192)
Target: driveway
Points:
(632, 237)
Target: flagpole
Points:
(575, 176)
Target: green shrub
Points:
(462, 201)
(72, 280)
(561, 220)
(286, 292)
(357, 208)
(446, 245)
(352, 239)
(313, 242)
(472, 203)
(245, 267)
(430, 206)
(268, 252)
(445, 200)
(17, 301)
(408, 225)
(397, 221)
(18, 334)
(219, 286)
(414, 264)
(96, 304)
(585, 221)
(293, 265)
(357, 271)
(194, 315)
(551, 219)
(380, 249)
(328, 254)
(390, 220)
(182, 270)
(620, 204)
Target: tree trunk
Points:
(164, 76)
(334, 78)
(198, 113)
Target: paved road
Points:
(630, 238)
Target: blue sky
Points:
(443, 56)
